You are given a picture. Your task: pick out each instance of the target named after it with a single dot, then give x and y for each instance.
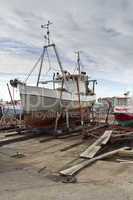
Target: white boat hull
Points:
(41, 104)
(44, 99)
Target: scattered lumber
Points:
(47, 139)
(65, 136)
(17, 129)
(91, 151)
(122, 134)
(96, 128)
(121, 139)
(72, 133)
(14, 133)
(19, 139)
(6, 128)
(76, 168)
(125, 161)
(72, 146)
(93, 135)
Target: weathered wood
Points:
(125, 161)
(67, 119)
(7, 129)
(14, 130)
(122, 134)
(19, 139)
(64, 136)
(72, 146)
(14, 133)
(121, 139)
(76, 168)
(91, 151)
(106, 136)
(126, 153)
(58, 115)
(96, 128)
(18, 133)
(93, 135)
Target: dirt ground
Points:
(34, 174)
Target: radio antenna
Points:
(78, 61)
(47, 36)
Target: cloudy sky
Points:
(101, 29)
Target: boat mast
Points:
(78, 88)
(40, 70)
(47, 38)
(78, 62)
(49, 44)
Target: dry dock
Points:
(29, 169)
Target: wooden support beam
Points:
(20, 132)
(76, 168)
(91, 151)
(125, 161)
(122, 134)
(121, 139)
(58, 115)
(72, 146)
(19, 139)
(96, 128)
(67, 119)
(47, 139)
(126, 153)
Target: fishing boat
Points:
(71, 93)
(123, 111)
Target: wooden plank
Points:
(72, 146)
(126, 153)
(10, 134)
(125, 161)
(106, 137)
(122, 134)
(121, 139)
(96, 128)
(18, 133)
(76, 168)
(91, 151)
(19, 139)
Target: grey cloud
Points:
(100, 28)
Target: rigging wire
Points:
(47, 63)
(75, 69)
(35, 65)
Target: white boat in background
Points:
(7, 110)
(70, 92)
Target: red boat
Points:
(124, 115)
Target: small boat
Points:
(13, 111)
(70, 92)
(124, 112)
